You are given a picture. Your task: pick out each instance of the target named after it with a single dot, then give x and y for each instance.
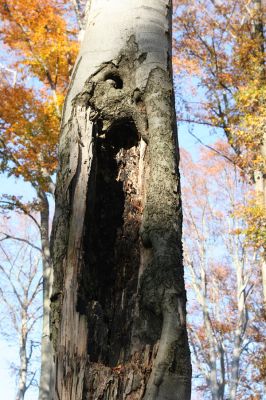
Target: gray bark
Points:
(118, 302)
(23, 370)
(46, 377)
(241, 325)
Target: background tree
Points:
(42, 49)
(21, 307)
(225, 308)
(222, 46)
(119, 321)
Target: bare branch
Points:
(22, 208)
(7, 236)
(212, 149)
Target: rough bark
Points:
(118, 302)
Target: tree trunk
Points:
(260, 175)
(118, 302)
(23, 369)
(46, 377)
(242, 320)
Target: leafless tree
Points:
(221, 275)
(21, 307)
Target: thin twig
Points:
(7, 236)
(212, 148)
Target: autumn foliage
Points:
(30, 134)
(42, 50)
(220, 46)
(40, 46)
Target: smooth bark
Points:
(46, 377)
(22, 383)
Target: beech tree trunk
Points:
(23, 370)
(118, 302)
(47, 365)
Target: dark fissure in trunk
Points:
(109, 279)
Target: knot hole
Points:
(114, 79)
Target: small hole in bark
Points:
(115, 80)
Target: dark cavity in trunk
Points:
(109, 278)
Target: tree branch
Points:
(7, 236)
(212, 148)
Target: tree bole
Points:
(118, 302)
